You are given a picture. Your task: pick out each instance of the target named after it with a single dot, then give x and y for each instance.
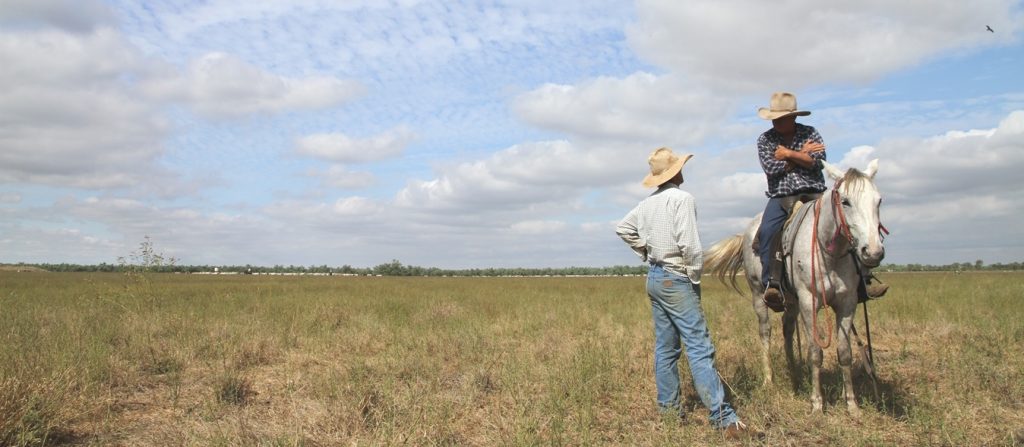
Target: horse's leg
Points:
(789, 327)
(752, 271)
(844, 321)
(814, 354)
(765, 330)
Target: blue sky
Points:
(486, 134)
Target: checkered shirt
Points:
(662, 230)
(782, 183)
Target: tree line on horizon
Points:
(396, 268)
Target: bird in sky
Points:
(989, 28)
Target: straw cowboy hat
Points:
(782, 104)
(664, 166)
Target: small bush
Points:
(234, 389)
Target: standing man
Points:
(791, 155)
(662, 230)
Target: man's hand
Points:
(801, 158)
(782, 153)
(811, 147)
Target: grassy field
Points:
(114, 359)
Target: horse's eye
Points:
(846, 202)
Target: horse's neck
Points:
(829, 243)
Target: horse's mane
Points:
(854, 180)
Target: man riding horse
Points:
(791, 154)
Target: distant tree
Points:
(393, 268)
(146, 259)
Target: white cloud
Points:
(343, 214)
(739, 186)
(339, 176)
(537, 227)
(355, 206)
(219, 85)
(70, 15)
(189, 234)
(35, 244)
(87, 109)
(533, 176)
(10, 197)
(341, 148)
(959, 163)
(69, 116)
(398, 35)
(901, 118)
(972, 207)
(753, 45)
(183, 21)
(640, 107)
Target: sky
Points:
(474, 134)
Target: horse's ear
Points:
(832, 171)
(872, 169)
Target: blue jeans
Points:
(675, 306)
(774, 216)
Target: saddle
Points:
(788, 233)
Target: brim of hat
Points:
(769, 115)
(656, 180)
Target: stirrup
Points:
(876, 291)
(773, 298)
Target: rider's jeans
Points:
(774, 216)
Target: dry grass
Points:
(100, 359)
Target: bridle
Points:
(842, 227)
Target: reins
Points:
(842, 228)
(814, 284)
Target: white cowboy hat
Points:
(782, 104)
(664, 166)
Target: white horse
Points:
(836, 232)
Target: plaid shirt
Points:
(782, 183)
(662, 230)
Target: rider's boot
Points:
(877, 288)
(773, 297)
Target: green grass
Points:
(100, 359)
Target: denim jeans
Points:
(675, 306)
(775, 214)
(774, 217)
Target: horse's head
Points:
(859, 200)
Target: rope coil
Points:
(823, 344)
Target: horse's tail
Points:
(725, 259)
